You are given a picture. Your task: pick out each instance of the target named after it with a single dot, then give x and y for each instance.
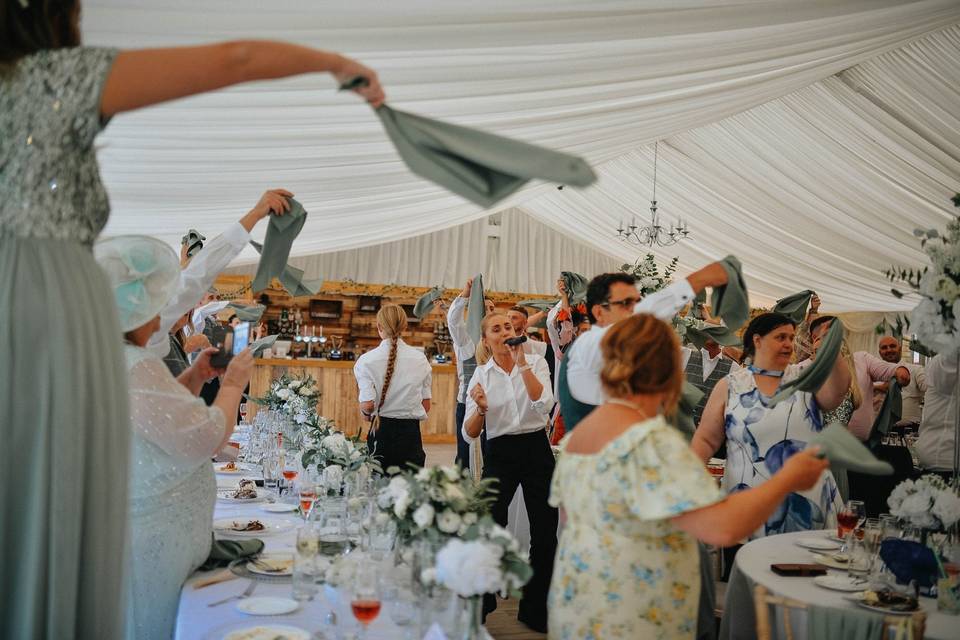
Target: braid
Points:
(388, 375)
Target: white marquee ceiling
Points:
(814, 179)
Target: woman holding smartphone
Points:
(510, 397)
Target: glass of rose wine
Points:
(852, 517)
(365, 598)
(308, 496)
(290, 470)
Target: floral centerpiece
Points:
(928, 503)
(435, 503)
(294, 397)
(647, 273)
(335, 456)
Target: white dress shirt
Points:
(552, 332)
(709, 364)
(409, 386)
(935, 444)
(463, 346)
(509, 409)
(195, 280)
(913, 393)
(584, 358)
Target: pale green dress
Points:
(622, 569)
(65, 425)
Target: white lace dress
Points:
(172, 491)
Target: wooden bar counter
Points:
(338, 393)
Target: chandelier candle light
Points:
(654, 233)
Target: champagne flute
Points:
(365, 596)
(308, 497)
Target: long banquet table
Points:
(752, 567)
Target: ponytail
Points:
(392, 320)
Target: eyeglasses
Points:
(626, 303)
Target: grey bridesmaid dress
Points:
(64, 418)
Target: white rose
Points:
(381, 519)
(448, 521)
(423, 516)
(284, 394)
(428, 576)
(308, 391)
(384, 499)
(454, 493)
(333, 477)
(294, 384)
(401, 504)
(451, 472)
(424, 474)
(398, 486)
(470, 518)
(947, 507)
(470, 568)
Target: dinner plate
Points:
(271, 527)
(828, 561)
(272, 560)
(267, 606)
(858, 599)
(816, 543)
(268, 632)
(840, 583)
(226, 496)
(242, 468)
(279, 507)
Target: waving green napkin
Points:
(292, 278)
(690, 396)
(813, 377)
(730, 302)
(263, 343)
(845, 451)
(194, 242)
(795, 306)
(248, 312)
(576, 286)
(476, 310)
(890, 413)
(281, 232)
(223, 552)
(424, 304)
(482, 167)
(698, 336)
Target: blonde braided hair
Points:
(392, 321)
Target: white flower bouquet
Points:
(647, 273)
(335, 456)
(928, 503)
(294, 397)
(435, 503)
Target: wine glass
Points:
(307, 491)
(291, 469)
(365, 595)
(853, 514)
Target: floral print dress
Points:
(760, 438)
(623, 570)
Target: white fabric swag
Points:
(815, 180)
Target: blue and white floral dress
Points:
(759, 441)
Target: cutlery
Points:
(246, 594)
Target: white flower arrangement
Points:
(485, 559)
(928, 503)
(294, 397)
(647, 273)
(435, 503)
(335, 456)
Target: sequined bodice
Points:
(49, 116)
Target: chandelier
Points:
(653, 233)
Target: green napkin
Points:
(719, 334)
(292, 278)
(849, 624)
(730, 302)
(813, 377)
(476, 310)
(576, 286)
(890, 413)
(248, 312)
(482, 167)
(263, 343)
(424, 304)
(194, 242)
(683, 418)
(538, 303)
(223, 552)
(281, 232)
(795, 306)
(845, 451)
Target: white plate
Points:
(268, 632)
(267, 606)
(271, 526)
(271, 559)
(840, 583)
(242, 468)
(226, 496)
(828, 561)
(857, 598)
(817, 543)
(279, 507)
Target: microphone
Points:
(515, 341)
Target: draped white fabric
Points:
(815, 181)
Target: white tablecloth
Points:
(752, 567)
(197, 621)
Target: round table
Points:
(752, 567)
(197, 621)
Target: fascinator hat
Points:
(143, 273)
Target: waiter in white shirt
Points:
(518, 317)
(395, 390)
(509, 397)
(465, 351)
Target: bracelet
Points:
(526, 367)
(482, 412)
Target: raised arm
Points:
(140, 78)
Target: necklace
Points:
(630, 405)
(765, 372)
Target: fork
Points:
(246, 594)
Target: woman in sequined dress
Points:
(63, 387)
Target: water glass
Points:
(271, 471)
(402, 608)
(305, 576)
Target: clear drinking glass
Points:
(365, 595)
(271, 471)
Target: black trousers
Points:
(526, 460)
(463, 447)
(397, 443)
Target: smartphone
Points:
(221, 337)
(241, 337)
(517, 340)
(799, 570)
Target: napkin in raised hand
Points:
(424, 305)
(291, 278)
(476, 309)
(730, 302)
(281, 232)
(263, 343)
(248, 312)
(813, 377)
(845, 451)
(794, 306)
(576, 287)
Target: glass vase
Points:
(471, 618)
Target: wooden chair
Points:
(894, 627)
